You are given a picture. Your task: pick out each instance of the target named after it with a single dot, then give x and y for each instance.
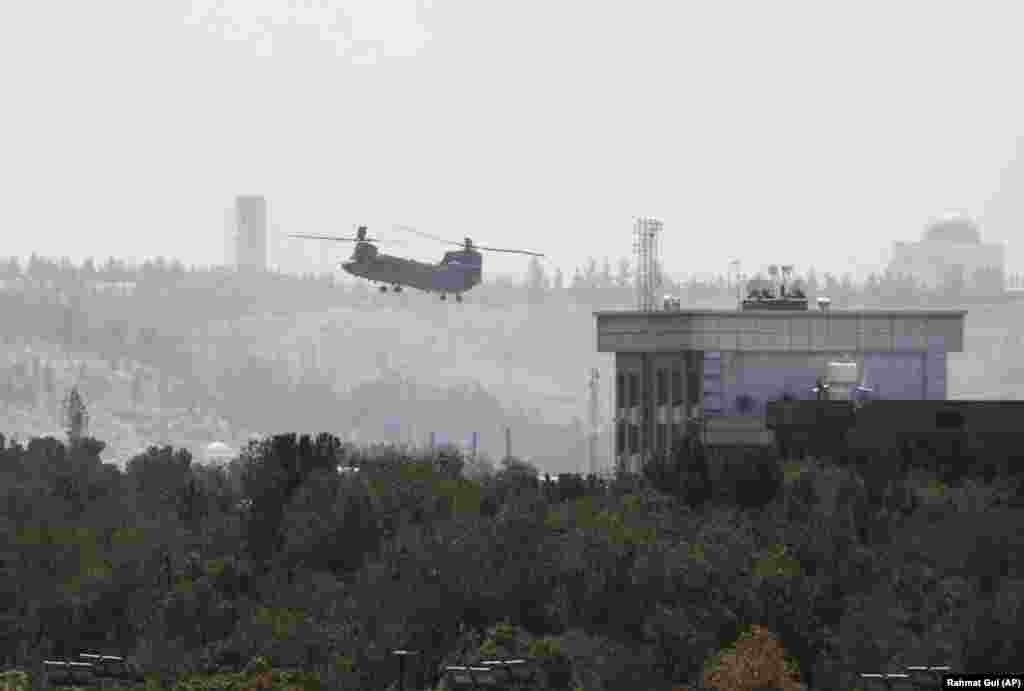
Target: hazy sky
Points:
(790, 132)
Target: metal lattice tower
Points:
(646, 253)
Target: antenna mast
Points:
(646, 247)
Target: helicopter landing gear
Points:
(397, 289)
(458, 297)
(443, 297)
(383, 289)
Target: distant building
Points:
(951, 252)
(250, 226)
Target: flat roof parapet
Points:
(781, 330)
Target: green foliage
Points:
(546, 649)
(631, 502)
(791, 471)
(503, 633)
(615, 526)
(343, 664)
(776, 561)
(489, 648)
(214, 568)
(15, 680)
(934, 491)
(259, 664)
(282, 622)
(465, 495)
(676, 583)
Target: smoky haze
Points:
(167, 355)
(758, 133)
(808, 133)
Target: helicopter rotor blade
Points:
(334, 238)
(497, 249)
(407, 229)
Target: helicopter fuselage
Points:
(457, 273)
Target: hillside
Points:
(531, 358)
(125, 427)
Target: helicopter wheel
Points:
(383, 289)
(458, 297)
(397, 289)
(443, 297)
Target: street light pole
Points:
(402, 654)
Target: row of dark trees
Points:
(280, 554)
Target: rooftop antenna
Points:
(646, 246)
(787, 275)
(773, 274)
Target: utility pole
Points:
(508, 442)
(594, 421)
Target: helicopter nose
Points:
(348, 267)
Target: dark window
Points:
(634, 438)
(620, 438)
(693, 388)
(662, 387)
(634, 389)
(677, 387)
(620, 390)
(662, 438)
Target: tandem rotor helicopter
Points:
(457, 272)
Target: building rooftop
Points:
(756, 314)
(890, 330)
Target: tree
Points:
(624, 276)
(161, 478)
(605, 278)
(590, 273)
(536, 281)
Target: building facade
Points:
(711, 372)
(251, 232)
